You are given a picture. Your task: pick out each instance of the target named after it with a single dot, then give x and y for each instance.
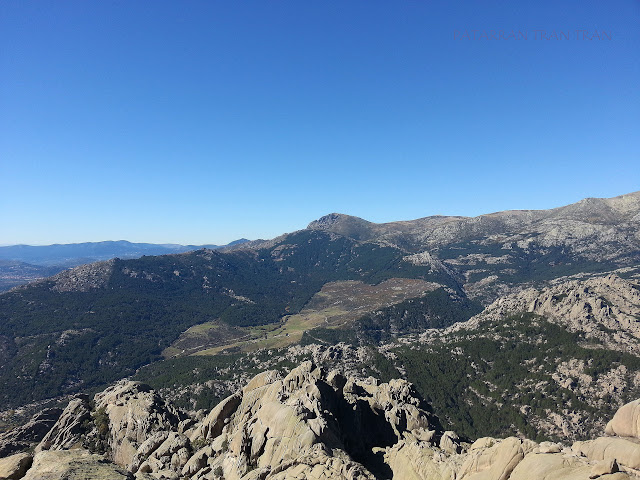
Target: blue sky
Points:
(205, 121)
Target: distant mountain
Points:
(26, 262)
(73, 254)
(581, 221)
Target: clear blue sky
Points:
(205, 121)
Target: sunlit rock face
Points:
(309, 424)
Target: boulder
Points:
(549, 447)
(626, 421)
(450, 443)
(624, 451)
(212, 425)
(604, 467)
(420, 461)
(197, 461)
(15, 466)
(556, 466)
(490, 459)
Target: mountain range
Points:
(20, 264)
(516, 323)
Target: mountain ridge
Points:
(622, 202)
(59, 253)
(35, 262)
(627, 207)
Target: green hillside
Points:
(59, 342)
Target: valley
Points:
(337, 305)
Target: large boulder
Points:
(490, 459)
(626, 452)
(557, 466)
(212, 425)
(15, 466)
(626, 421)
(415, 460)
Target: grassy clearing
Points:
(336, 305)
(202, 328)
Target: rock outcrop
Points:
(604, 309)
(135, 413)
(68, 430)
(309, 424)
(84, 278)
(29, 434)
(626, 421)
(73, 465)
(15, 466)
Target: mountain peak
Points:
(328, 221)
(346, 225)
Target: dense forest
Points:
(55, 342)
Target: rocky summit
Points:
(308, 424)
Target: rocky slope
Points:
(551, 362)
(604, 220)
(495, 252)
(308, 424)
(604, 309)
